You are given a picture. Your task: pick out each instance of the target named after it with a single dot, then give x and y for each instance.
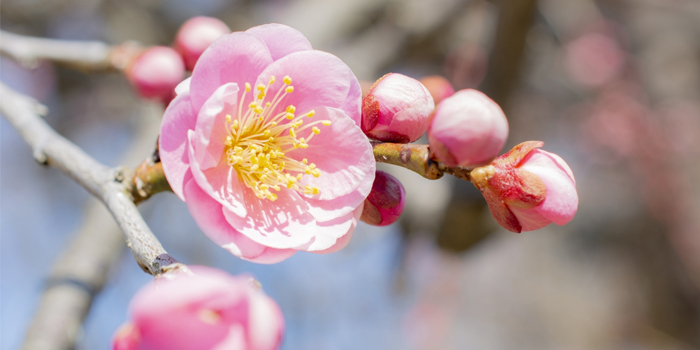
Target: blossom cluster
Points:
(268, 144)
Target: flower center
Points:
(257, 143)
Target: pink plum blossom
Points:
(207, 310)
(385, 202)
(528, 188)
(196, 35)
(156, 73)
(467, 129)
(396, 109)
(439, 87)
(263, 144)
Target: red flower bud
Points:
(196, 35)
(385, 202)
(396, 109)
(527, 188)
(156, 73)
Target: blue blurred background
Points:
(611, 86)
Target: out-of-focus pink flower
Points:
(156, 73)
(385, 202)
(209, 310)
(467, 129)
(439, 87)
(594, 59)
(263, 144)
(196, 35)
(396, 109)
(528, 188)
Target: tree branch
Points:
(417, 159)
(81, 55)
(52, 149)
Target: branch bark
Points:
(417, 159)
(81, 55)
(54, 150)
(82, 269)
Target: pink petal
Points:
(184, 87)
(234, 58)
(211, 129)
(412, 121)
(209, 215)
(221, 182)
(173, 311)
(530, 219)
(343, 154)
(177, 120)
(352, 106)
(280, 39)
(272, 256)
(326, 210)
(327, 233)
(342, 241)
(562, 200)
(265, 323)
(282, 224)
(319, 79)
(235, 339)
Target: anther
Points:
(326, 123)
(289, 89)
(287, 80)
(272, 80)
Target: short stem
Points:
(146, 180)
(417, 159)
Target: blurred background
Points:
(612, 86)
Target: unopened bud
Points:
(467, 129)
(385, 202)
(396, 109)
(126, 338)
(156, 73)
(439, 87)
(196, 35)
(528, 188)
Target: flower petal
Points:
(177, 120)
(318, 78)
(234, 58)
(209, 215)
(221, 182)
(211, 129)
(340, 242)
(265, 323)
(561, 202)
(280, 39)
(282, 224)
(530, 219)
(352, 106)
(271, 256)
(343, 154)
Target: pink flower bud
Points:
(156, 73)
(527, 188)
(467, 129)
(385, 202)
(196, 35)
(439, 87)
(205, 311)
(396, 109)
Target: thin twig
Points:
(417, 159)
(81, 271)
(52, 149)
(82, 55)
